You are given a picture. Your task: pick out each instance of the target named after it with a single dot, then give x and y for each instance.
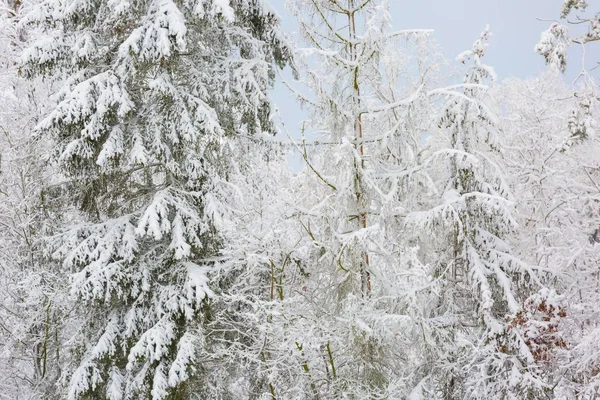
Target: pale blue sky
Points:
(457, 23)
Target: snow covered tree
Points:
(156, 95)
(555, 41)
(352, 307)
(557, 202)
(576, 214)
(553, 46)
(256, 356)
(33, 306)
(558, 206)
(483, 283)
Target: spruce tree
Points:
(484, 283)
(156, 94)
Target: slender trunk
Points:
(365, 275)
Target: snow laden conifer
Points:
(483, 282)
(156, 93)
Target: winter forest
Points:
(440, 239)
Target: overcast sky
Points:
(457, 24)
